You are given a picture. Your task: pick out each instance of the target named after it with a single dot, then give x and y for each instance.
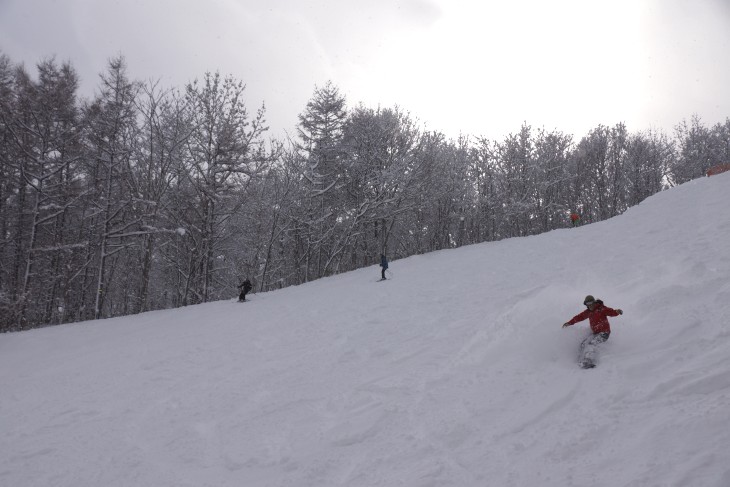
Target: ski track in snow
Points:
(456, 372)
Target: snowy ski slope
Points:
(456, 372)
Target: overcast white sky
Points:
(478, 67)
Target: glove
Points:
(566, 324)
(619, 311)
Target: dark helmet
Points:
(589, 300)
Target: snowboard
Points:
(587, 364)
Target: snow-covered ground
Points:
(456, 372)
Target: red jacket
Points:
(598, 318)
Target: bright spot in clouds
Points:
(472, 67)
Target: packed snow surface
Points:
(455, 372)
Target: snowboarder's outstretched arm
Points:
(577, 318)
(613, 312)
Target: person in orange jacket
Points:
(574, 219)
(597, 314)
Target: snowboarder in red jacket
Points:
(597, 314)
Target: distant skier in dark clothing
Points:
(245, 287)
(597, 313)
(384, 265)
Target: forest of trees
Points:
(146, 198)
